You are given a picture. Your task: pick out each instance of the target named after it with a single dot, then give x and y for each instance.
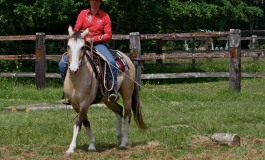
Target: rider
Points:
(99, 24)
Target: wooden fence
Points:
(234, 52)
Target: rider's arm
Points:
(107, 31)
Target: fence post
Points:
(193, 63)
(40, 61)
(254, 43)
(235, 60)
(209, 45)
(135, 54)
(254, 47)
(159, 51)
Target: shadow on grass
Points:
(102, 147)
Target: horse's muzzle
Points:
(72, 72)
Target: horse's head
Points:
(75, 49)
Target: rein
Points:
(91, 44)
(83, 63)
(91, 57)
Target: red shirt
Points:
(99, 25)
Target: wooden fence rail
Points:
(150, 76)
(234, 53)
(154, 56)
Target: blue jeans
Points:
(102, 48)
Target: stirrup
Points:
(65, 101)
(113, 97)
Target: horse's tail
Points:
(137, 108)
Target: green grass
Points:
(174, 113)
(22, 91)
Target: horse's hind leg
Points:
(119, 127)
(91, 146)
(127, 102)
(122, 139)
(115, 107)
(127, 120)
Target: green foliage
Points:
(149, 16)
(10, 66)
(193, 15)
(28, 17)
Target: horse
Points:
(81, 85)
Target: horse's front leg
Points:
(73, 143)
(77, 127)
(91, 137)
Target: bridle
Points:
(85, 51)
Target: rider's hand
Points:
(89, 40)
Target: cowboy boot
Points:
(65, 100)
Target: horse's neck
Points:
(83, 85)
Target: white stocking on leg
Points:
(118, 128)
(126, 131)
(73, 143)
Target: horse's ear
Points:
(70, 30)
(85, 33)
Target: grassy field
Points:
(180, 116)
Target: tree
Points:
(145, 16)
(215, 15)
(31, 16)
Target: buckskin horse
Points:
(81, 86)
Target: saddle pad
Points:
(120, 61)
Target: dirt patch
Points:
(200, 148)
(110, 151)
(251, 148)
(34, 107)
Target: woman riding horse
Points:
(81, 87)
(99, 24)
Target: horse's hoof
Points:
(122, 147)
(91, 149)
(69, 151)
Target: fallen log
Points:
(226, 139)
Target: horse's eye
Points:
(83, 47)
(68, 47)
